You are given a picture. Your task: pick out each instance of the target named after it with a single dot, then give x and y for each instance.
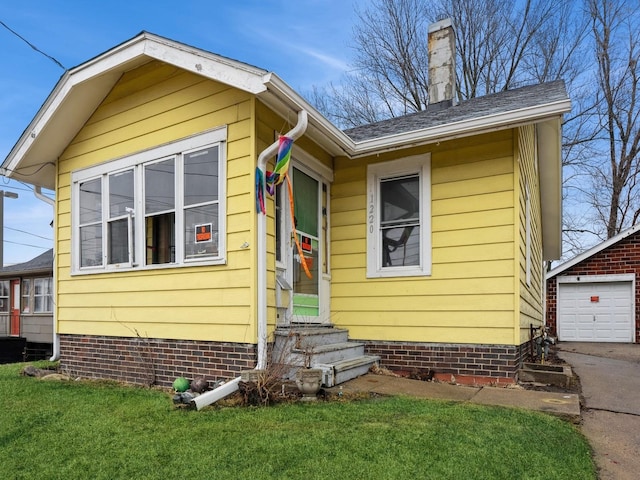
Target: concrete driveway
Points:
(610, 377)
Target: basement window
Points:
(156, 208)
(399, 217)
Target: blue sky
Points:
(304, 42)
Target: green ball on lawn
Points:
(181, 384)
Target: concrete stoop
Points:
(557, 375)
(327, 348)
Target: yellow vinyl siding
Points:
(469, 297)
(151, 105)
(530, 296)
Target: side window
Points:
(399, 217)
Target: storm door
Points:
(301, 290)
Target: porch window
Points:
(37, 295)
(26, 295)
(4, 296)
(399, 217)
(43, 295)
(163, 206)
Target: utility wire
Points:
(27, 245)
(28, 233)
(33, 46)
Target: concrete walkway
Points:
(610, 378)
(562, 404)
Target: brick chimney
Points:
(442, 63)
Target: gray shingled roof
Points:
(41, 263)
(497, 103)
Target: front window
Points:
(121, 208)
(201, 202)
(90, 230)
(398, 218)
(160, 217)
(163, 206)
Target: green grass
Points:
(87, 430)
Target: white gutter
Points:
(37, 191)
(228, 388)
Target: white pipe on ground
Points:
(228, 388)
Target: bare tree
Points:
(499, 45)
(615, 193)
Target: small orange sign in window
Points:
(595, 299)
(306, 244)
(203, 233)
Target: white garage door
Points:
(595, 312)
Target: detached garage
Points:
(594, 296)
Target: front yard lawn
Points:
(81, 430)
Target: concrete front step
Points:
(323, 347)
(311, 336)
(345, 370)
(331, 353)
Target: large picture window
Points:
(163, 206)
(399, 217)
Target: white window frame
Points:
(137, 161)
(417, 164)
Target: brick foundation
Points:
(153, 361)
(457, 363)
(158, 361)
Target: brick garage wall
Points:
(152, 361)
(457, 363)
(623, 257)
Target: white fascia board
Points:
(147, 46)
(592, 251)
(549, 149)
(464, 128)
(236, 74)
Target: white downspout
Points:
(228, 388)
(37, 191)
(295, 133)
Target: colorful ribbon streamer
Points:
(276, 177)
(269, 182)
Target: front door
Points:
(14, 308)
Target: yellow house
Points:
(424, 235)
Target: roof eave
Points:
(463, 128)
